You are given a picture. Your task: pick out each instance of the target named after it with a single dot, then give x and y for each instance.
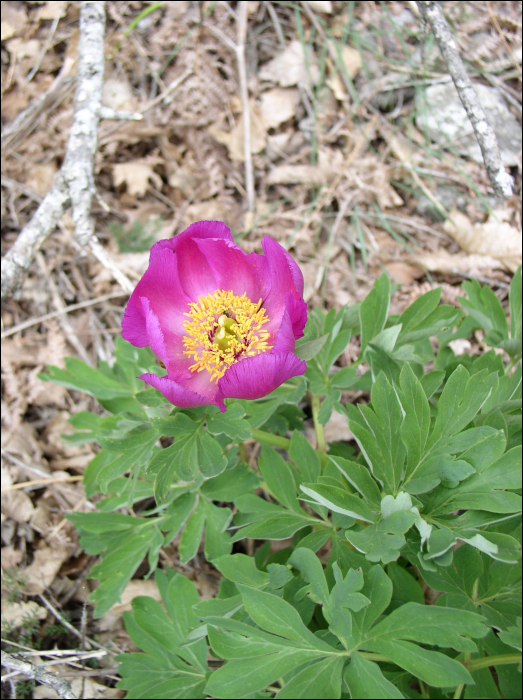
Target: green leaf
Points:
(231, 423)
(339, 501)
(484, 306)
(460, 400)
(149, 678)
(192, 534)
(78, 375)
(515, 306)
(237, 679)
(429, 624)
(377, 432)
(321, 679)
(241, 569)
(344, 378)
(309, 349)
(304, 457)
(359, 478)
(431, 666)
(383, 540)
(415, 314)
(416, 423)
(365, 680)
(374, 310)
(217, 540)
(193, 451)
(278, 477)
(310, 566)
(277, 616)
(118, 566)
(279, 526)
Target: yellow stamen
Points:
(222, 328)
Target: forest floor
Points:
(355, 172)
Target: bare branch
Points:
(37, 673)
(501, 181)
(240, 57)
(74, 184)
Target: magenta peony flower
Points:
(223, 323)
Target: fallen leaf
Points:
(403, 272)
(320, 174)
(117, 94)
(16, 614)
(320, 6)
(233, 140)
(278, 105)
(457, 263)
(136, 175)
(351, 58)
(291, 67)
(13, 20)
(17, 505)
(46, 564)
(496, 237)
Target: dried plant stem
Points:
(244, 93)
(501, 181)
(75, 183)
(37, 673)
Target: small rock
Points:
(442, 117)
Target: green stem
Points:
(512, 364)
(501, 660)
(282, 442)
(270, 439)
(318, 427)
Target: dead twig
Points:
(244, 93)
(501, 181)
(75, 183)
(37, 673)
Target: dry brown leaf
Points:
(46, 564)
(49, 9)
(17, 505)
(41, 178)
(23, 49)
(291, 68)
(496, 237)
(15, 614)
(443, 261)
(136, 175)
(403, 272)
(117, 94)
(351, 58)
(321, 6)
(329, 163)
(13, 20)
(278, 105)
(233, 140)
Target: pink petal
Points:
(174, 392)
(203, 229)
(285, 340)
(234, 270)
(161, 286)
(285, 277)
(297, 309)
(196, 275)
(257, 376)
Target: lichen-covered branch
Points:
(501, 180)
(61, 686)
(74, 184)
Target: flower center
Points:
(222, 328)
